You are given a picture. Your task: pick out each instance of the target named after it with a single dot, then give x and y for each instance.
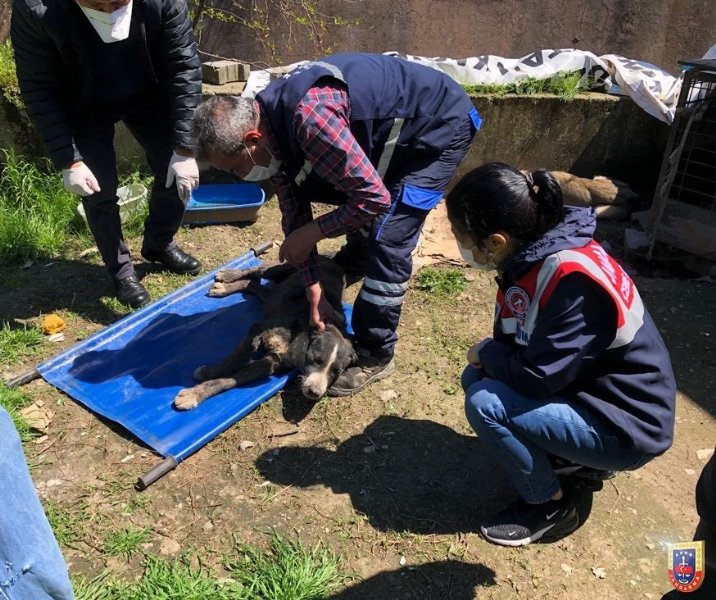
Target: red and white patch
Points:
(518, 301)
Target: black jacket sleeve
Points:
(182, 70)
(40, 72)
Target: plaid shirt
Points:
(322, 128)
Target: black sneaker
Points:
(368, 370)
(524, 523)
(564, 468)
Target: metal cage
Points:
(683, 213)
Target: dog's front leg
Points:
(231, 275)
(219, 289)
(255, 370)
(193, 396)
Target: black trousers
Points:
(148, 121)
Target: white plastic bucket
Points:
(132, 200)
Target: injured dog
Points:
(283, 340)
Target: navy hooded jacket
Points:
(570, 349)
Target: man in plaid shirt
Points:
(375, 135)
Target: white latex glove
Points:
(79, 180)
(186, 172)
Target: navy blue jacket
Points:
(381, 89)
(568, 352)
(53, 56)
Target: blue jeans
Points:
(31, 565)
(521, 431)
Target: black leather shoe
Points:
(174, 260)
(130, 291)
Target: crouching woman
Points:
(576, 372)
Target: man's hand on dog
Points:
(321, 310)
(298, 244)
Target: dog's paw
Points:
(223, 275)
(218, 290)
(186, 400)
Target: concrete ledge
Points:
(593, 134)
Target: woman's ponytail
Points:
(547, 196)
(497, 197)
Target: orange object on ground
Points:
(52, 324)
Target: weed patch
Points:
(288, 571)
(126, 542)
(13, 401)
(444, 283)
(38, 217)
(16, 343)
(8, 79)
(68, 526)
(564, 85)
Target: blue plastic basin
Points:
(224, 203)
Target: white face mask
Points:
(468, 257)
(260, 173)
(111, 27)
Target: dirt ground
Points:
(393, 480)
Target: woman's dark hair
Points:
(497, 197)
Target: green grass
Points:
(68, 526)
(8, 79)
(441, 283)
(36, 213)
(288, 571)
(564, 85)
(161, 580)
(38, 218)
(13, 401)
(16, 343)
(126, 542)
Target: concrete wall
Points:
(659, 31)
(595, 134)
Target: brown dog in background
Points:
(611, 198)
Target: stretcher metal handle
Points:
(156, 473)
(23, 379)
(262, 248)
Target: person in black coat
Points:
(83, 66)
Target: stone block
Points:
(219, 72)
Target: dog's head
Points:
(329, 353)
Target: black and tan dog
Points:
(283, 340)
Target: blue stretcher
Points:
(131, 371)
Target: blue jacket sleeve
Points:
(574, 328)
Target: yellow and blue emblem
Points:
(686, 565)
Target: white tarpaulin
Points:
(653, 89)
